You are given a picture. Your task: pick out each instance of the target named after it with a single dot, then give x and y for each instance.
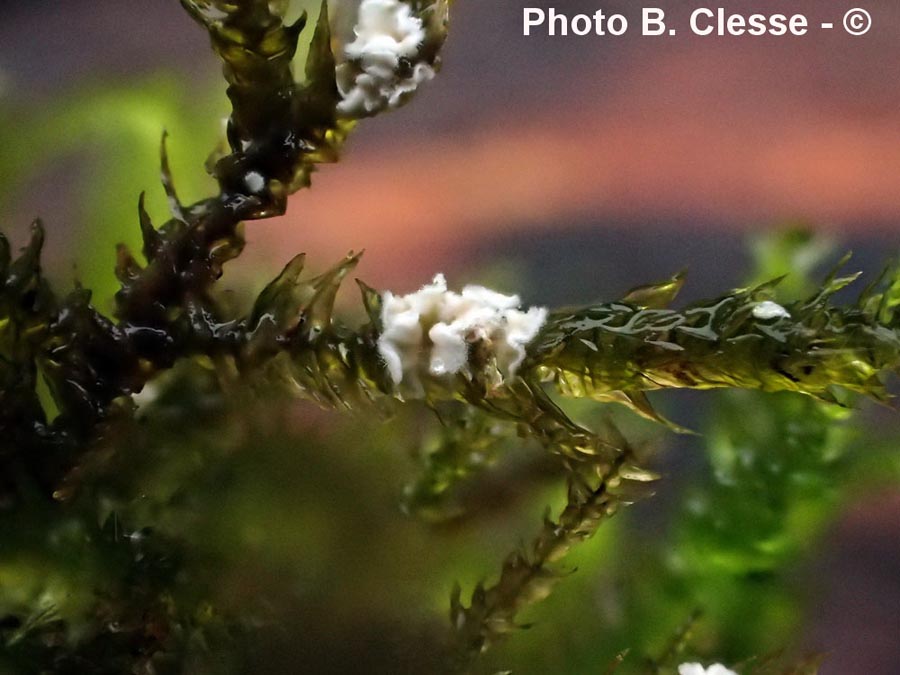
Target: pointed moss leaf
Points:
(839, 283)
(320, 63)
(656, 296)
(638, 402)
(637, 473)
(371, 303)
(26, 268)
(889, 302)
(152, 240)
(279, 298)
(127, 268)
(168, 182)
(321, 305)
(766, 288)
(203, 12)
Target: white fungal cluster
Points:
(431, 330)
(770, 310)
(697, 669)
(381, 67)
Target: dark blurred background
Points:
(576, 167)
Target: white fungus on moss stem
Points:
(381, 67)
(430, 331)
(697, 669)
(255, 182)
(770, 310)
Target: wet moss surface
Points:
(68, 373)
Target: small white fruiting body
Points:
(697, 669)
(770, 310)
(255, 182)
(381, 66)
(431, 330)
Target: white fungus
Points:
(697, 669)
(255, 182)
(431, 330)
(380, 68)
(770, 310)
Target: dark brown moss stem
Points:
(278, 130)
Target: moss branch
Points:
(526, 577)
(278, 130)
